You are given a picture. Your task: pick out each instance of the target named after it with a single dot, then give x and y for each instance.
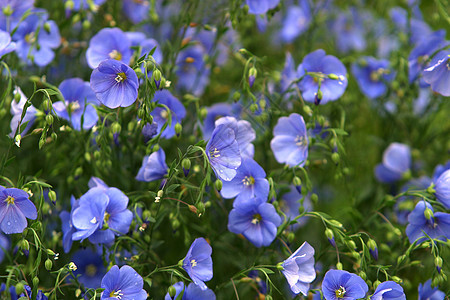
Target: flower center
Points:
(74, 106)
(248, 180)
(189, 60)
(10, 200)
(164, 114)
(214, 153)
(30, 38)
(256, 219)
(448, 63)
(106, 217)
(340, 293)
(120, 77)
(300, 140)
(115, 55)
(422, 59)
(91, 270)
(116, 294)
(193, 263)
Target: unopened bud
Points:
(438, 263)
(178, 128)
(339, 266)
(69, 5)
(254, 107)
(335, 157)
(428, 213)
(25, 245)
(252, 76)
(52, 196)
(86, 24)
(203, 113)
(49, 119)
(307, 110)
(19, 288)
(186, 165)
(397, 279)
(200, 208)
(218, 184)
(363, 275)
(172, 291)
(35, 281)
(236, 96)
(47, 27)
(116, 128)
(48, 264)
(376, 283)
(333, 76)
(373, 249)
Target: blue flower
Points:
(419, 56)
(338, 284)
(288, 75)
(404, 204)
(244, 132)
(349, 31)
(161, 116)
(396, 163)
(124, 283)
(250, 181)
(372, 75)
(256, 220)
(299, 269)
(100, 208)
(438, 75)
(16, 111)
(442, 188)
(34, 44)
(4, 246)
(114, 84)
(198, 262)
(321, 65)
(296, 21)
(15, 208)
(78, 97)
(147, 45)
(16, 8)
(223, 152)
(440, 169)
(257, 7)
(6, 46)
(136, 11)
(290, 141)
(153, 167)
(426, 292)
(423, 221)
(216, 112)
(90, 269)
(192, 292)
(388, 290)
(108, 43)
(67, 226)
(192, 71)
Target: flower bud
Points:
(351, 244)
(314, 198)
(48, 264)
(25, 245)
(157, 78)
(49, 119)
(200, 208)
(86, 24)
(376, 283)
(172, 291)
(69, 5)
(363, 275)
(186, 165)
(35, 281)
(373, 249)
(252, 76)
(17, 97)
(47, 27)
(218, 184)
(330, 236)
(203, 113)
(333, 76)
(178, 129)
(116, 128)
(155, 148)
(52, 196)
(7, 11)
(307, 110)
(19, 288)
(339, 266)
(290, 237)
(438, 263)
(397, 279)
(17, 140)
(428, 213)
(236, 96)
(335, 157)
(254, 107)
(318, 97)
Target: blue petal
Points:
(397, 157)
(13, 221)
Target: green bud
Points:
(146, 214)
(319, 96)
(186, 163)
(355, 255)
(157, 75)
(428, 213)
(401, 259)
(336, 223)
(141, 112)
(25, 245)
(438, 261)
(175, 224)
(376, 283)
(49, 119)
(397, 279)
(17, 140)
(52, 195)
(17, 97)
(339, 266)
(297, 181)
(200, 208)
(262, 103)
(50, 252)
(203, 113)
(47, 27)
(172, 291)
(363, 275)
(35, 281)
(116, 128)
(351, 244)
(76, 18)
(253, 107)
(431, 189)
(218, 184)
(54, 136)
(69, 5)
(19, 288)
(236, 96)
(329, 233)
(253, 72)
(8, 11)
(48, 264)
(268, 297)
(307, 110)
(78, 172)
(279, 266)
(372, 244)
(333, 76)
(86, 24)
(155, 148)
(314, 198)
(178, 128)
(41, 143)
(335, 157)
(290, 237)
